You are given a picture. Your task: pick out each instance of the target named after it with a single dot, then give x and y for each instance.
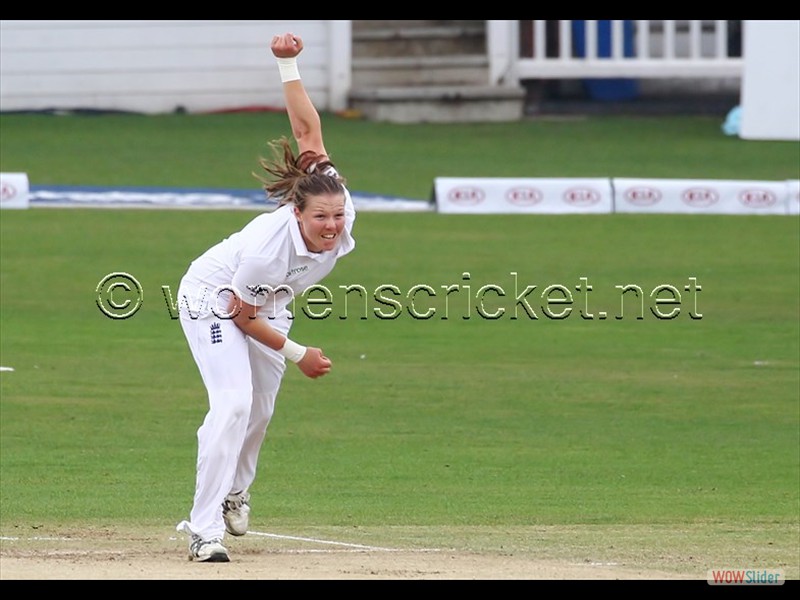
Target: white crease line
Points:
(332, 543)
(354, 550)
(318, 541)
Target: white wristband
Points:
(293, 351)
(288, 69)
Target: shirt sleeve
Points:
(258, 280)
(349, 211)
(349, 207)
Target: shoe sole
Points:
(214, 558)
(218, 558)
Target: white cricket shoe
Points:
(236, 513)
(207, 550)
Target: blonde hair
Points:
(292, 179)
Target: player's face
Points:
(322, 221)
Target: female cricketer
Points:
(234, 312)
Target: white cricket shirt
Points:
(266, 262)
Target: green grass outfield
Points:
(221, 151)
(684, 430)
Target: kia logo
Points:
(524, 196)
(581, 196)
(700, 197)
(757, 198)
(7, 191)
(468, 196)
(643, 196)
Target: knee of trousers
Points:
(231, 408)
(263, 408)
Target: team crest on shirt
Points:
(216, 333)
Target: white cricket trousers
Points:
(242, 378)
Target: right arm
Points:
(303, 116)
(313, 364)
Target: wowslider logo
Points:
(746, 577)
